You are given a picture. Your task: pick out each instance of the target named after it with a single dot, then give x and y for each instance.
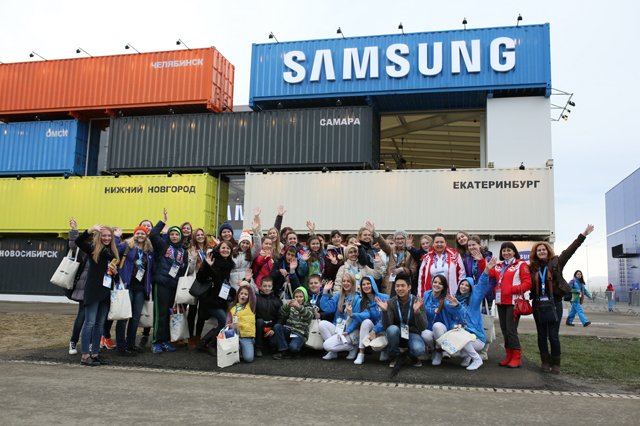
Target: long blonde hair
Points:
(147, 247)
(98, 246)
(277, 246)
(343, 296)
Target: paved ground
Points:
(74, 395)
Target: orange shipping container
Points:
(196, 80)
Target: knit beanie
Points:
(400, 232)
(175, 228)
(225, 225)
(246, 236)
(141, 228)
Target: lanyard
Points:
(201, 254)
(408, 313)
(237, 309)
(474, 268)
(140, 254)
(173, 254)
(399, 258)
(314, 299)
(542, 277)
(357, 274)
(444, 260)
(502, 271)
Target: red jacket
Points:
(515, 282)
(454, 269)
(262, 267)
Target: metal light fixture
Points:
(453, 168)
(325, 170)
(279, 105)
(171, 111)
(66, 175)
(128, 46)
(265, 171)
(340, 32)
(38, 118)
(80, 49)
(464, 22)
(338, 102)
(179, 42)
(32, 54)
(519, 19)
(120, 114)
(572, 103)
(18, 177)
(521, 166)
(169, 174)
(272, 36)
(401, 28)
(116, 175)
(387, 170)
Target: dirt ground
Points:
(21, 331)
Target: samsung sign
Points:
(480, 59)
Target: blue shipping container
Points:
(378, 70)
(48, 148)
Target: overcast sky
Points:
(592, 55)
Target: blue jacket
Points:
(470, 315)
(164, 258)
(126, 272)
(372, 311)
(331, 305)
(431, 304)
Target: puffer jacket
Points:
(356, 268)
(126, 272)
(371, 310)
(166, 253)
(242, 265)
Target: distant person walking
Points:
(578, 292)
(610, 294)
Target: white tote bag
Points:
(120, 308)
(146, 315)
(315, 339)
(66, 272)
(228, 349)
(454, 340)
(488, 324)
(377, 344)
(286, 293)
(178, 325)
(182, 292)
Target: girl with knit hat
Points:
(225, 233)
(135, 271)
(359, 271)
(244, 255)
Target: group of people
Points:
(355, 291)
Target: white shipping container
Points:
(479, 201)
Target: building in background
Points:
(623, 227)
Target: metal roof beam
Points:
(427, 123)
(442, 138)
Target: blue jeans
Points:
(549, 332)
(283, 337)
(576, 308)
(78, 323)
(95, 315)
(246, 348)
(611, 304)
(131, 325)
(416, 344)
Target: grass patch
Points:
(606, 361)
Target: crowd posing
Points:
(337, 294)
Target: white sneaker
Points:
(475, 364)
(446, 355)
(72, 348)
(436, 358)
(352, 353)
(466, 361)
(384, 355)
(330, 355)
(359, 360)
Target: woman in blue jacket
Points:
(440, 307)
(171, 261)
(469, 316)
(370, 317)
(135, 271)
(336, 335)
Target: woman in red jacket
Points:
(512, 280)
(441, 260)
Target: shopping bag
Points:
(182, 292)
(454, 340)
(66, 273)
(377, 344)
(286, 293)
(228, 349)
(488, 324)
(120, 308)
(315, 340)
(146, 315)
(178, 324)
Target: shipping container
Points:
(512, 202)
(277, 140)
(402, 72)
(196, 80)
(28, 263)
(48, 148)
(44, 205)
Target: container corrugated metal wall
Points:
(44, 205)
(47, 147)
(190, 80)
(418, 201)
(280, 139)
(532, 68)
(28, 263)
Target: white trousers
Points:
(472, 348)
(365, 329)
(332, 341)
(430, 337)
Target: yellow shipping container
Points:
(44, 205)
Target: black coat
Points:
(94, 291)
(216, 275)
(267, 306)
